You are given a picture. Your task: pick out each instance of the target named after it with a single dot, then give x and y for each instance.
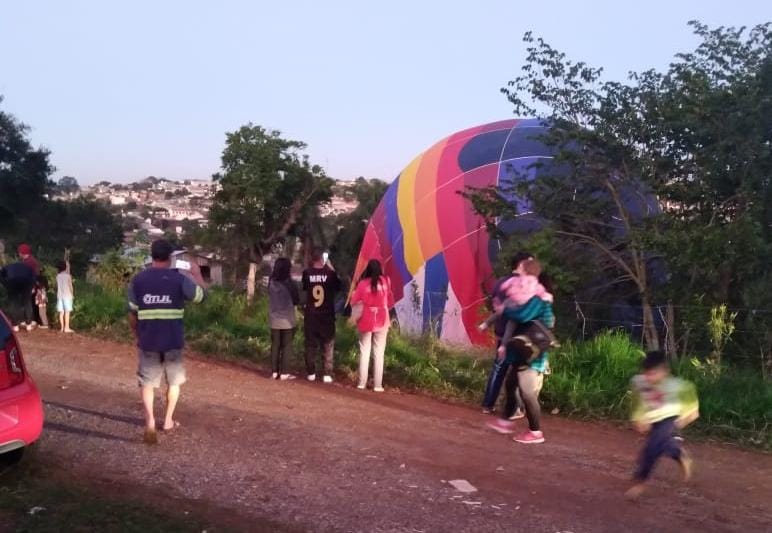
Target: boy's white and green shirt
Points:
(670, 397)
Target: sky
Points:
(124, 90)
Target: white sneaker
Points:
(286, 377)
(327, 379)
(275, 375)
(16, 329)
(30, 327)
(377, 389)
(311, 377)
(361, 387)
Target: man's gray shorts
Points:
(153, 366)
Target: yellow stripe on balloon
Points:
(407, 216)
(426, 200)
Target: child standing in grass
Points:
(662, 404)
(41, 300)
(64, 296)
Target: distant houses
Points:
(154, 207)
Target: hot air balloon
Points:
(434, 247)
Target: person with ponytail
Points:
(283, 298)
(370, 303)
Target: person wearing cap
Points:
(156, 298)
(25, 252)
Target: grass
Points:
(32, 499)
(590, 379)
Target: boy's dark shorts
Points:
(154, 366)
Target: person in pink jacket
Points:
(370, 306)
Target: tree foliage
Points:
(267, 189)
(67, 185)
(24, 173)
(83, 226)
(666, 168)
(351, 226)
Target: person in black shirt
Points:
(321, 285)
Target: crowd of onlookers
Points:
(27, 289)
(522, 320)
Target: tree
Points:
(68, 185)
(267, 187)
(665, 169)
(591, 196)
(24, 173)
(714, 107)
(84, 227)
(350, 227)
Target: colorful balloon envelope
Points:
(434, 247)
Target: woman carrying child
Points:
(527, 301)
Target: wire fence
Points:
(582, 319)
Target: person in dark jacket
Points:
(283, 298)
(19, 279)
(157, 297)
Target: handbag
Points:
(531, 339)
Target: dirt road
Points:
(314, 457)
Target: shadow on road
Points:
(64, 428)
(118, 418)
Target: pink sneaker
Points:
(530, 437)
(504, 427)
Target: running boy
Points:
(662, 404)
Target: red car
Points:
(21, 410)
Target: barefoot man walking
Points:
(157, 297)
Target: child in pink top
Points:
(519, 289)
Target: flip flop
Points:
(150, 436)
(175, 426)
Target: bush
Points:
(96, 307)
(591, 378)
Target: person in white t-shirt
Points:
(64, 296)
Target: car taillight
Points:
(13, 373)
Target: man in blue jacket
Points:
(157, 297)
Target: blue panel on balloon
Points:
(394, 230)
(435, 293)
(525, 142)
(513, 172)
(483, 149)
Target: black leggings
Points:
(20, 304)
(527, 382)
(512, 400)
(281, 348)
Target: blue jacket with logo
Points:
(158, 296)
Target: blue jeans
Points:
(660, 442)
(495, 381)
